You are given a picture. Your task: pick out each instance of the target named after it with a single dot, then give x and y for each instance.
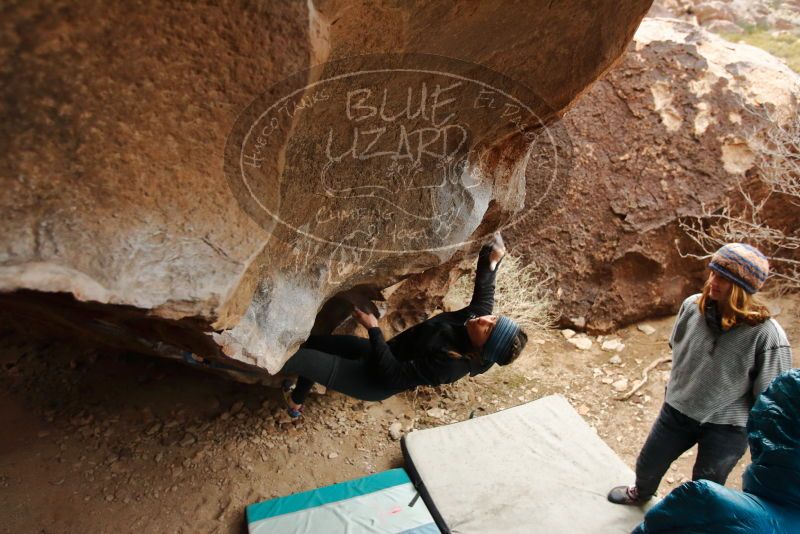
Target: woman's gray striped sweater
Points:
(716, 376)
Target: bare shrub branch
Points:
(780, 159)
(742, 219)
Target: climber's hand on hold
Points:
(367, 320)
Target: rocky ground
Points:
(97, 442)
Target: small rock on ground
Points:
(612, 345)
(621, 384)
(436, 413)
(582, 343)
(579, 322)
(646, 329)
(395, 430)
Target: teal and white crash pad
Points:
(383, 503)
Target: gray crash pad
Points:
(538, 467)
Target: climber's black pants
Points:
(339, 363)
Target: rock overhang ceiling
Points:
(120, 190)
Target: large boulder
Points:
(670, 129)
(212, 177)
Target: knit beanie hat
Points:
(498, 347)
(741, 264)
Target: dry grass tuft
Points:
(521, 292)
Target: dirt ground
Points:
(97, 442)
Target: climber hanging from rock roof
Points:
(440, 350)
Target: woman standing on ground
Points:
(440, 350)
(725, 351)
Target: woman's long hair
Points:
(741, 306)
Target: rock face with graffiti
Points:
(209, 195)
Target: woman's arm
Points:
(489, 259)
(770, 364)
(428, 369)
(387, 369)
(383, 365)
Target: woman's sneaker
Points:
(294, 410)
(626, 495)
